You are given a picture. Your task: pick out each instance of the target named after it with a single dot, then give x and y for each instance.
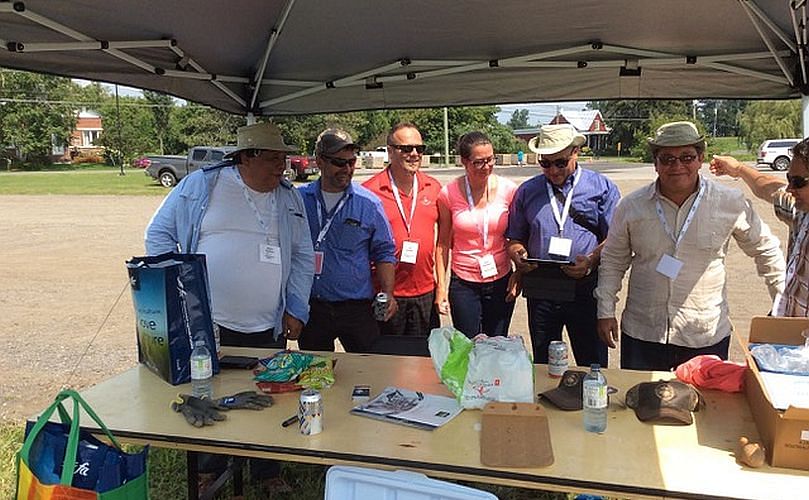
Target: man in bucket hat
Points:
(561, 215)
(350, 233)
(251, 225)
(674, 233)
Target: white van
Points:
(777, 153)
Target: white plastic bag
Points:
(500, 369)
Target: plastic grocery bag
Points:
(449, 350)
(500, 369)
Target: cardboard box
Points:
(785, 434)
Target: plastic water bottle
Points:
(594, 400)
(201, 371)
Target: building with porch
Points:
(588, 122)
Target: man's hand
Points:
(518, 253)
(514, 286)
(726, 165)
(580, 268)
(608, 331)
(197, 411)
(393, 306)
(292, 327)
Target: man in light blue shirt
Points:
(350, 233)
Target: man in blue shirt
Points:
(350, 234)
(561, 215)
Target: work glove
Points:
(197, 411)
(249, 400)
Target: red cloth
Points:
(711, 372)
(417, 279)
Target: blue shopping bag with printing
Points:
(172, 312)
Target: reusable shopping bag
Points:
(60, 461)
(172, 311)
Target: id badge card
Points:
(560, 246)
(270, 254)
(410, 250)
(488, 268)
(318, 262)
(669, 267)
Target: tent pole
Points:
(446, 138)
(251, 118)
(805, 115)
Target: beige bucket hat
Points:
(260, 136)
(555, 138)
(675, 134)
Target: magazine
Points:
(412, 408)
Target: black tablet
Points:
(533, 260)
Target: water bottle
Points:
(201, 371)
(594, 400)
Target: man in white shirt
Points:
(674, 233)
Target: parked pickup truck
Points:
(169, 169)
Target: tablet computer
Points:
(533, 260)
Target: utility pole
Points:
(119, 151)
(446, 138)
(715, 113)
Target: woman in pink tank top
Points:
(472, 221)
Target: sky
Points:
(538, 113)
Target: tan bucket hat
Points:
(675, 134)
(260, 136)
(555, 138)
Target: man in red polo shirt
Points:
(409, 199)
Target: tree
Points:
(641, 149)
(128, 129)
(37, 114)
(195, 125)
(721, 117)
(161, 106)
(762, 120)
(519, 119)
(627, 118)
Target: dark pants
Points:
(415, 318)
(547, 317)
(480, 307)
(641, 355)
(352, 321)
(259, 468)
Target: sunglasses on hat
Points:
(797, 181)
(408, 148)
(341, 162)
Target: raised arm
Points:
(763, 186)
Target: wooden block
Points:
(515, 435)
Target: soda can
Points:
(380, 306)
(557, 358)
(310, 413)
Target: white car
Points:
(777, 153)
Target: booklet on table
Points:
(412, 408)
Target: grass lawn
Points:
(729, 146)
(84, 181)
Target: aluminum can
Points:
(557, 358)
(310, 412)
(380, 306)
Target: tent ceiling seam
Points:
(767, 42)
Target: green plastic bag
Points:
(449, 350)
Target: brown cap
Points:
(663, 402)
(567, 395)
(333, 140)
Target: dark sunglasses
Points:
(341, 162)
(408, 148)
(669, 160)
(797, 182)
(560, 163)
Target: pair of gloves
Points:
(202, 411)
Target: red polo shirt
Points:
(419, 278)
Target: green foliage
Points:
(36, 115)
(201, 126)
(128, 128)
(721, 117)
(87, 181)
(763, 120)
(630, 119)
(641, 150)
(519, 119)
(161, 106)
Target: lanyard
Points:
(688, 218)
(471, 202)
(252, 203)
(562, 217)
(324, 228)
(399, 200)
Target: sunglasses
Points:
(484, 162)
(797, 182)
(560, 163)
(669, 160)
(408, 148)
(341, 162)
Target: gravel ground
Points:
(66, 315)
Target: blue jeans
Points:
(547, 317)
(480, 307)
(641, 355)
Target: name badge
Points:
(488, 268)
(560, 246)
(669, 266)
(318, 262)
(410, 249)
(270, 254)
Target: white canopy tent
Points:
(265, 57)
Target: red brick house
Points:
(588, 122)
